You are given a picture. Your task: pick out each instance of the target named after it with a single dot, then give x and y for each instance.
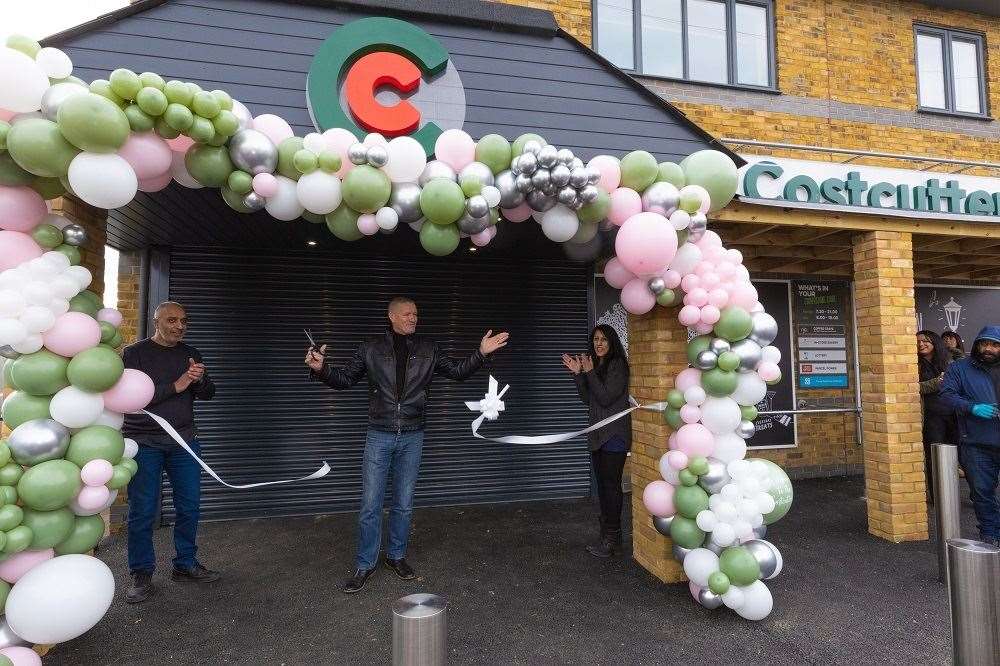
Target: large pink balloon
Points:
(689, 315)
(636, 297)
(695, 440)
(617, 275)
(72, 333)
(339, 140)
(646, 243)
(517, 214)
(132, 392)
(22, 656)
(455, 148)
(610, 169)
(148, 154)
(110, 315)
(658, 498)
(15, 566)
(17, 248)
(21, 208)
(156, 183)
(273, 127)
(624, 204)
(687, 378)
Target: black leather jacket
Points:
(376, 357)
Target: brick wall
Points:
(573, 16)
(129, 269)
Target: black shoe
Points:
(196, 574)
(402, 569)
(142, 588)
(604, 549)
(356, 583)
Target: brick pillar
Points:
(129, 268)
(890, 403)
(656, 354)
(94, 220)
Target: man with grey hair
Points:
(179, 377)
(400, 366)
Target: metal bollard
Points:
(420, 631)
(947, 510)
(974, 593)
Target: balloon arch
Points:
(66, 459)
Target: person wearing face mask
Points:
(972, 389)
(602, 379)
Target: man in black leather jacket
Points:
(400, 367)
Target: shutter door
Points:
(269, 421)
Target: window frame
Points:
(947, 35)
(731, 64)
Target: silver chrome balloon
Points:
(9, 639)
(57, 94)
(473, 225)
(579, 177)
(541, 179)
(510, 196)
(514, 165)
(589, 194)
(749, 353)
(680, 553)
(548, 156)
(8, 352)
(243, 115)
(719, 345)
(767, 556)
(523, 183)
(527, 163)
(746, 429)
(699, 219)
(565, 156)
(253, 152)
(656, 285)
(696, 229)
(539, 202)
(765, 329)
(477, 206)
(477, 170)
(253, 201)
(532, 147)
(551, 189)
(358, 154)
(74, 234)
(436, 169)
(575, 164)
(661, 198)
(560, 175)
(593, 176)
(706, 360)
(715, 478)
(378, 156)
(405, 200)
(576, 205)
(712, 546)
(38, 440)
(709, 599)
(567, 196)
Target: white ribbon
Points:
(169, 429)
(491, 406)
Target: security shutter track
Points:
(268, 421)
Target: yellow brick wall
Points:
(573, 16)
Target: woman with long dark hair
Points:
(933, 359)
(955, 344)
(602, 378)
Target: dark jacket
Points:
(606, 397)
(376, 358)
(930, 389)
(968, 382)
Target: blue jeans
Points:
(144, 501)
(385, 451)
(982, 466)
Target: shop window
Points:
(723, 42)
(950, 66)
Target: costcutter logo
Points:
(387, 76)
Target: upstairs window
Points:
(950, 67)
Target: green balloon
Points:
(734, 324)
(152, 101)
(666, 298)
(202, 130)
(639, 170)
(729, 361)
(716, 172)
(226, 123)
(48, 188)
(18, 539)
(596, 210)
(224, 99)
(108, 331)
(4, 659)
(518, 146)
(151, 80)
(739, 565)
(209, 165)
(718, 382)
(95, 370)
(439, 239)
(125, 83)
(50, 485)
(103, 88)
(11, 173)
(47, 236)
(177, 92)
(689, 201)
(330, 161)
(698, 465)
(130, 464)
(366, 189)
(37, 145)
(8, 493)
(81, 303)
(687, 478)
(442, 201)
(205, 104)
(11, 515)
(696, 346)
(10, 474)
(343, 223)
(748, 413)
(20, 407)
(305, 161)
(217, 139)
(164, 130)
(178, 117)
(690, 500)
(286, 157)
(7, 381)
(718, 582)
(314, 218)
(675, 398)
(25, 45)
(471, 186)
(493, 150)
(72, 253)
(93, 297)
(234, 200)
(5, 456)
(240, 182)
(85, 534)
(779, 486)
(93, 123)
(671, 172)
(48, 527)
(95, 442)
(686, 533)
(120, 476)
(4, 129)
(673, 418)
(116, 341)
(42, 373)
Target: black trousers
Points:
(608, 468)
(938, 429)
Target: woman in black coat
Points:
(602, 379)
(956, 346)
(933, 358)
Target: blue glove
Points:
(984, 411)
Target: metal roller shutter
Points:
(268, 421)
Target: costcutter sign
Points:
(387, 76)
(902, 192)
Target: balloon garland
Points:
(105, 141)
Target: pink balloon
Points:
(658, 498)
(725, 269)
(743, 295)
(677, 459)
(714, 253)
(710, 314)
(18, 564)
(455, 148)
(21, 208)
(132, 392)
(637, 298)
(156, 183)
(709, 280)
(17, 248)
(718, 297)
(696, 297)
(93, 497)
(265, 184)
(110, 315)
(339, 140)
(6, 115)
(756, 307)
(694, 589)
(701, 328)
(709, 239)
(72, 333)
(734, 256)
(646, 243)
(690, 282)
(769, 371)
(493, 231)
(690, 414)
(671, 278)
(483, 238)
(367, 224)
(687, 378)
(518, 214)
(273, 127)
(96, 473)
(22, 656)
(689, 315)
(624, 204)
(610, 169)
(695, 440)
(617, 275)
(672, 441)
(147, 154)
(180, 144)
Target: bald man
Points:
(400, 366)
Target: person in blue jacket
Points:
(972, 388)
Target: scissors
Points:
(312, 343)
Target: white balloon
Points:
(720, 415)
(78, 510)
(37, 318)
(318, 191)
(24, 82)
(12, 332)
(315, 142)
(54, 63)
(492, 195)
(733, 598)
(12, 303)
(104, 180)
(695, 396)
(242, 114)
(723, 535)
(60, 599)
(285, 205)
(725, 512)
(729, 447)
(75, 408)
(749, 486)
(59, 222)
(406, 160)
(765, 502)
(57, 259)
(40, 269)
(64, 286)
(115, 420)
(757, 601)
(706, 520)
(37, 293)
(375, 139)
(730, 492)
(30, 344)
(59, 306)
(387, 218)
(179, 172)
(739, 468)
(699, 564)
(771, 354)
(81, 274)
(131, 448)
(559, 223)
(750, 389)
(688, 256)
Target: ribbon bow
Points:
(491, 405)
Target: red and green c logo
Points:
(363, 57)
